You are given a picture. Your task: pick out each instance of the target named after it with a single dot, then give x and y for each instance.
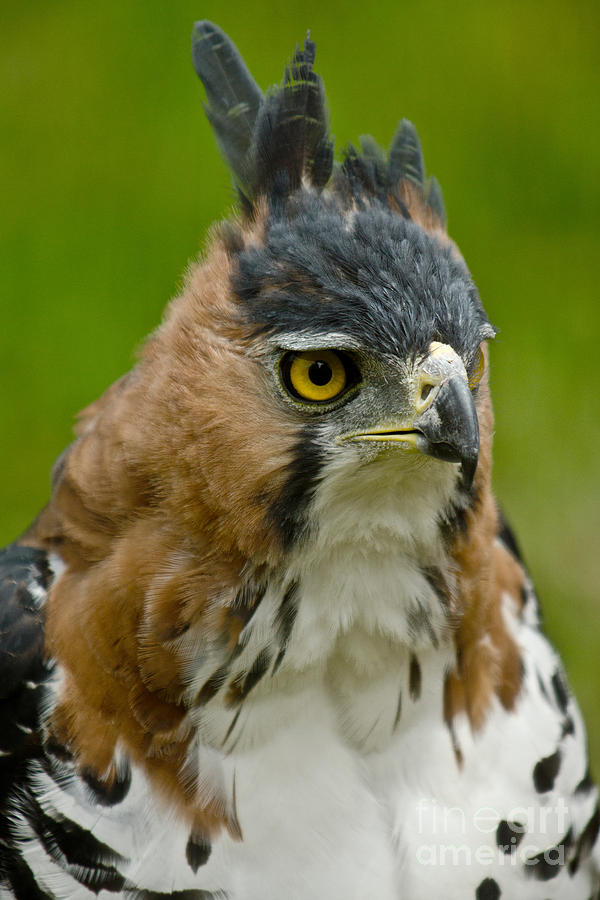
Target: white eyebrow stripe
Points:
(316, 340)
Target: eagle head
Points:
(357, 310)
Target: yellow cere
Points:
(318, 375)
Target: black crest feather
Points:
(406, 156)
(275, 141)
(291, 131)
(435, 198)
(233, 96)
(366, 169)
(406, 164)
(270, 142)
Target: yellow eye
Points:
(478, 370)
(315, 375)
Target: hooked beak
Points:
(449, 429)
(445, 424)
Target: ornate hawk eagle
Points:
(271, 637)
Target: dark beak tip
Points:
(452, 433)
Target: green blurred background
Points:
(110, 178)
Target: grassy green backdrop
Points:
(110, 178)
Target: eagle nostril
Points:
(426, 390)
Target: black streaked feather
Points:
(16, 875)
(233, 96)
(213, 685)
(243, 683)
(285, 619)
(91, 862)
(414, 678)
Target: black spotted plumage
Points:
(509, 835)
(197, 851)
(548, 864)
(545, 772)
(488, 890)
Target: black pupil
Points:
(320, 373)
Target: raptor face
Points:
(371, 330)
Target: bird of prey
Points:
(272, 637)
